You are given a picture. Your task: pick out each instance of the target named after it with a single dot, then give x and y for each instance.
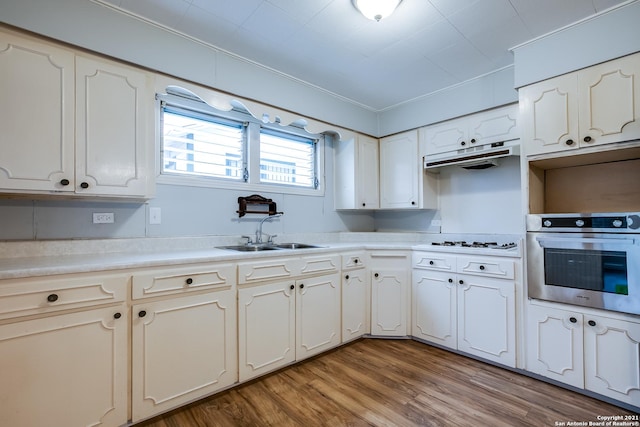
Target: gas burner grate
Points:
(488, 245)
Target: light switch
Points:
(155, 216)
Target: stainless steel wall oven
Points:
(591, 260)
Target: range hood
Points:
(479, 157)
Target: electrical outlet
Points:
(103, 218)
(436, 223)
(155, 216)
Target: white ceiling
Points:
(426, 45)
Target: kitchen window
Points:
(204, 146)
(287, 159)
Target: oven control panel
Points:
(603, 222)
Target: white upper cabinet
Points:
(446, 136)
(403, 183)
(74, 125)
(609, 102)
(37, 86)
(113, 113)
(595, 106)
(486, 127)
(356, 173)
(549, 112)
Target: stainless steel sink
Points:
(250, 248)
(294, 246)
(268, 247)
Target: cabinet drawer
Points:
(434, 261)
(489, 267)
(353, 261)
(25, 297)
(182, 279)
(320, 264)
(251, 272)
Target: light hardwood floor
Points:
(375, 382)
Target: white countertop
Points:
(30, 259)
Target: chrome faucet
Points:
(259, 230)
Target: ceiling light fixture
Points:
(376, 9)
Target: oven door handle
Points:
(580, 242)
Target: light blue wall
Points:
(608, 36)
(186, 211)
(485, 92)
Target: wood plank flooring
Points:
(375, 382)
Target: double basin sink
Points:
(268, 247)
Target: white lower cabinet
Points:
(487, 318)
(183, 341)
(266, 328)
(65, 370)
(74, 352)
(468, 312)
(355, 297)
(286, 320)
(64, 351)
(183, 348)
(434, 311)
(597, 353)
(390, 293)
(317, 315)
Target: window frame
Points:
(206, 117)
(252, 151)
(278, 131)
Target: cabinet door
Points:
(447, 136)
(183, 348)
(500, 124)
(549, 115)
(389, 289)
(37, 122)
(609, 97)
(354, 304)
(356, 173)
(434, 307)
(65, 370)
(112, 130)
(399, 171)
(555, 344)
(317, 315)
(345, 165)
(266, 328)
(487, 318)
(612, 358)
(367, 174)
